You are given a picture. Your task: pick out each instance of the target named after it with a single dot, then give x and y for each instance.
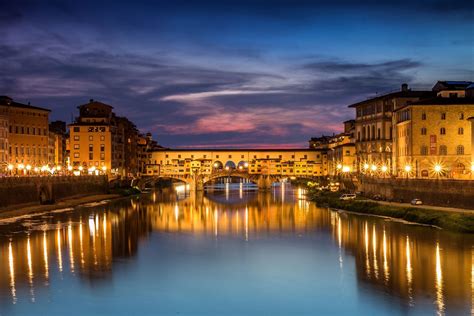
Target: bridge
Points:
(196, 167)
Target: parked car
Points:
(347, 197)
(416, 202)
(378, 197)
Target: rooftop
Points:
(5, 100)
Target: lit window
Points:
(443, 151)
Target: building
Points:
(434, 137)
(27, 137)
(373, 127)
(100, 141)
(57, 143)
(284, 162)
(342, 158)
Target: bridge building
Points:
(263, 166)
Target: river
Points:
(229, 251)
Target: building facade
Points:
(284, 162)
(373, 127)
(100, 141)
(27, 136)
(433, 137)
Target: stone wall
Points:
(43, 190)
(455, 193)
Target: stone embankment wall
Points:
(46, 190)
(455, 193)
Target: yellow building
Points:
(373, 126)
(100, 141)
(433, 138)
(286, 162)
(28, 134)
(91, 138)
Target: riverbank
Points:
(461, 222)
(29, 209)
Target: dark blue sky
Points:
(237, 73)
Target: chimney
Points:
(404, 87)
(91, 100)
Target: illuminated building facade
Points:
(373, 126)
(285, 162)
(27, 136)
(433, 137)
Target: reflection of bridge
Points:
(261, 166)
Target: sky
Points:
(253, 74)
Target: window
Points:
(461, 116)
(453, 95)
(423, 116)
(91, 138)
(424, 173)
(102, 147)
(443, 151)
(378, 133)
(76, 137)
(102, 138)
(91, 156)
(217, 156)
(76, 155)
(424, 150)
(242, 156)
(76, 146)
(443, 116)
(423, 131)
(460, 150)
(76, 129)
(442, 131)
(91, 147)
(102, 156)
(460, 131)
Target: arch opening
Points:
(217, 165)
(230, 165)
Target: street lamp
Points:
(407, 170)
(438, 169)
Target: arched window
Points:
(443, 151)
(423, 131)
(373, 131)
(424, 150)
(442, 131)
(461, 131)
(460, 150)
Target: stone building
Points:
(100, 141)
(24, 130)
(373, 127)
(433, 137)
(341, 151)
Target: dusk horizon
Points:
(218, 75)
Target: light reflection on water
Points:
(231, 250)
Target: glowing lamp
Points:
(339, 166)
(437, 168)
(28, 167)
(384, 168)
(346, 169)
(366, 166)
(10, 167)
(407, 168)
(373, 168)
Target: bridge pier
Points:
(264, 182)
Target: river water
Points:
(230, 251)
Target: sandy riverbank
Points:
(72, 202)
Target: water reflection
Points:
(421, 268)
